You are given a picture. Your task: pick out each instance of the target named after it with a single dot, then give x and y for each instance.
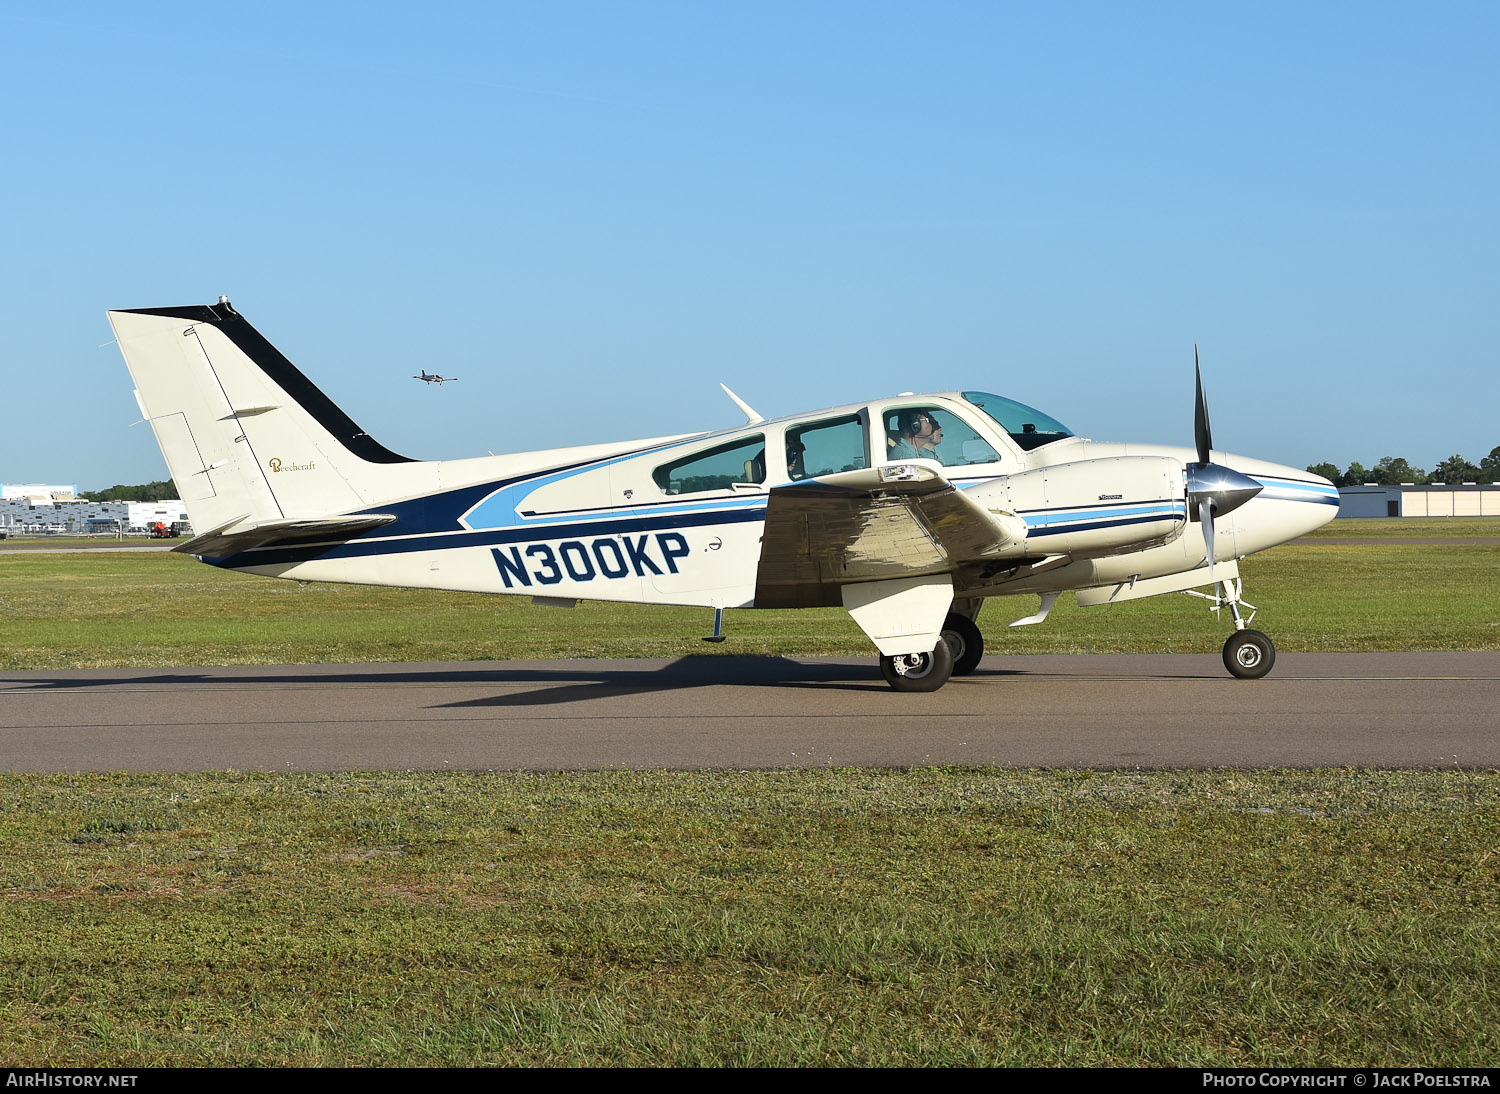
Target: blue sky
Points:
(593, 213)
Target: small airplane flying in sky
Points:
(908, 511)
(433, 378)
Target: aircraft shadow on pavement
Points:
(577, 684)
(570, 681)
(573, 681)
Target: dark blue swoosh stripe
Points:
(277, 556)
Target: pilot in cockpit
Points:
(918, 434)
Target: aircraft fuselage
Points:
(605, 529)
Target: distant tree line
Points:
(1393, 470)
(151, 491)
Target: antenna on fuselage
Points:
(751, 418)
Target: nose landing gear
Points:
(1248, 654)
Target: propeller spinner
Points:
(1216, 489)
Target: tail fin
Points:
(248, 439)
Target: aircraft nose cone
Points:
(1324, 492)
(1302, 501)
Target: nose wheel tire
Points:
(1249, 655)
(919, 671)
(966, 641)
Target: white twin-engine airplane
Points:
(907, 511)
(433, 378)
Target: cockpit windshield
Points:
(1029, 428)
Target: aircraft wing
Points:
(904, 520)
(229, 540)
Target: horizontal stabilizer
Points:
(222, 542)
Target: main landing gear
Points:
(966, 642)
(1248, 654)
(956, 654)
(919, 671)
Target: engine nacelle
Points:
(1090, 508)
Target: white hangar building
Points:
(1432, 500)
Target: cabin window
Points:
(931, 433)
(742, 460)
(825, 448)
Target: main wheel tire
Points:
(966, 641)
(919, 671)
(1249, 655)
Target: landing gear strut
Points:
(919, 671)
(1248, 654)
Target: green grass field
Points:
(161, 609)
(928, 917)
(836, 917)
(1443, 527)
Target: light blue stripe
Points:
(1308, 487)
(1078, 514)
(1290, 490)
(636, 512)
(499, 510)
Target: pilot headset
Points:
(911, 423)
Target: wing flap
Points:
(875, 524)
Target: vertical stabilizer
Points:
(247, 437)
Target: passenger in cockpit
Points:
(795, 450)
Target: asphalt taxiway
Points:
(1422, 710)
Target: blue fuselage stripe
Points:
(1063, 529)
(1079, 516)
(1294, 490)
(364, 548)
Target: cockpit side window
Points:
(932, 433)
(740, 461)
(825, 448)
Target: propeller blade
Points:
(1206, 518)
(1201, 431)
(1217, 488)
